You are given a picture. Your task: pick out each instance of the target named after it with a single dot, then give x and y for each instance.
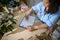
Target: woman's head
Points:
(51, 5)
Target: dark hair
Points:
(59, 2)
(53, 6)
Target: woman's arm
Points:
(28, 12)
(42, 26)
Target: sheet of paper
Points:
(26, 23)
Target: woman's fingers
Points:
(30, 28)
(27, 17)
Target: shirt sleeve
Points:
(52, 20)
(37, 7)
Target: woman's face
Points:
(46, 3)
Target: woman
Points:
(47, 11)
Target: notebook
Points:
(25, 23)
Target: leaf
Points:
(10, 27)
(4, 29)
(1, 33)
(13, 20)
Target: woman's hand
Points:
(30, 28)
(27, 13)
(27, 17)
